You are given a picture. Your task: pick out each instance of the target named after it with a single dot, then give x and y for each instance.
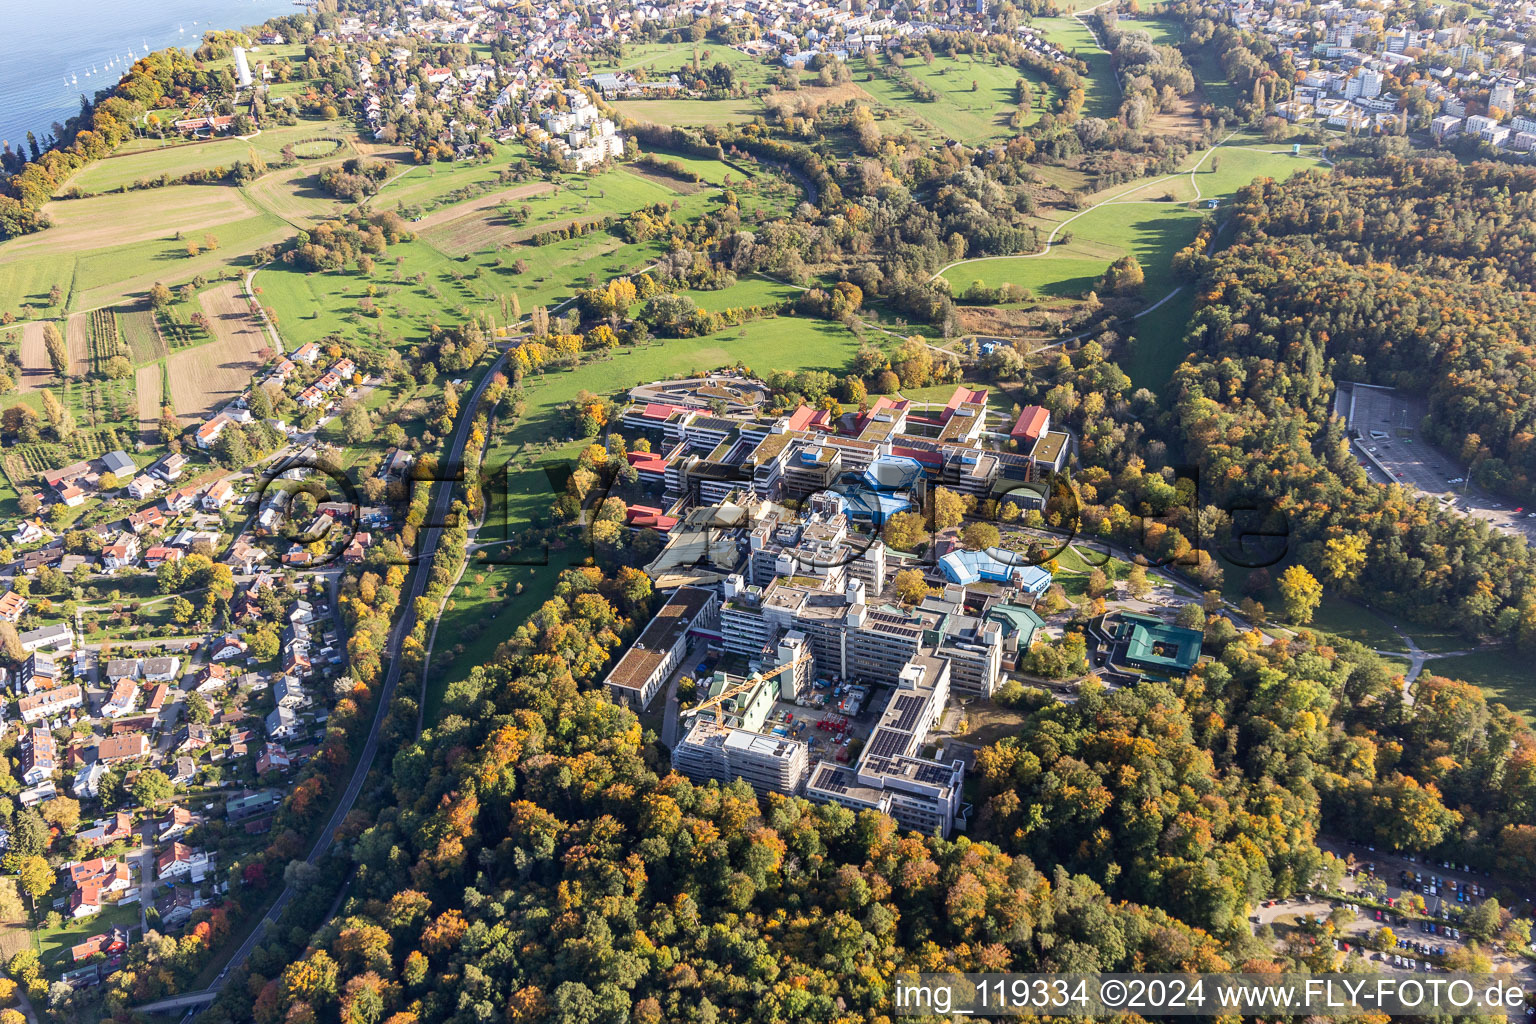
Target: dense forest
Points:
(536, 860)
(1411, 273)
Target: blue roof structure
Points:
(892, 473)
(873, 506)
(967, 567)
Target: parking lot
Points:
(1424, 938)
(1385, 438)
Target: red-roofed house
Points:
(1032, 425)
(12, 607)
(209, 432)
(160, 554)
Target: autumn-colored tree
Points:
(910, 585)
(905, 531)
(948, 508)
(1300, 593)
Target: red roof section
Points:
(647, 462)
(805, 417)
(1032, 423)
(964, 394)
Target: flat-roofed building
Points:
(661, 647)
(770, 764)
(921, 794)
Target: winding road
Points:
(440, 505)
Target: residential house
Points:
(176, 822)
(192, 736)
(227, 647)
(354, 552)
(180, 500)
(88, 781)
(13, 606)
(181, 860)
(212, 679)
(177, 908)
(289, 694)
(48, 638)
(117, 749)
(39, 756)
(250, 805)
(119, 669)
(161, 670)
(109, 944)
(39, 672)
(148, 519)
(296, 663)
(158, 555)
(93, 880)
(121, 553)
(170, 468)
(109, 830)
(185, 772)
(282, 724)
(218, 495)
(273, 759)
(156, 699)
(31, 531)
(142, 486)
(47, 703)
(125, 697)
(208, 434)
(37, 794)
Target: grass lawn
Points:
(714, 172)
(1202, 60)
(54, 944)
(426, 185)
(1157, 343)
(28, 281)
(1101, 94)
(663, 59)
(486, 608)
(689, 111)
(960, 112)
(748, 291)
(1503, 674)
(150, 158)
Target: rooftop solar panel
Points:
(887, 743)
(908, 707)
(831, 779)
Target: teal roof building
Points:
(1153, 645)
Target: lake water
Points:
(54, 52)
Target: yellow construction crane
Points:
(745, 685)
